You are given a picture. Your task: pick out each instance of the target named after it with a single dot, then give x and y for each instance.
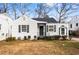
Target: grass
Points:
(39, 47)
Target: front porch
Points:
(41, 30)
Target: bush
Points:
(51, 38)
(34, 37)
(25, 38)
(64, 37)
(74, 33)
(10, 39)
(19, 38)
(56, 37)
(29, 37)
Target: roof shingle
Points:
(49, 20)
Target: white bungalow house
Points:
(5, 26)
(25, 26)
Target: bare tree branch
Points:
(64, 10)
(42, 10)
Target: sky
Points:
(32, 13)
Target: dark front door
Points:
(41, 30)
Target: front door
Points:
(41, 30)
(63, 31)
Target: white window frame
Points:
(23, 28)
(50, 28)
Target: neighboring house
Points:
(5, 26)
(27, 27)
(74, 23)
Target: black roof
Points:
(49, 20)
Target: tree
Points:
(64, 10)
(14, 10)
(24, 8)
(42, 10)
(4, 8)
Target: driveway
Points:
(75, 39)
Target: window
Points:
(54, 28)
(77, 24)
(70, 25)
(62, 31)
(23, 28)
(50, 28)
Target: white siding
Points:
(58, 25)
(32, 28)
(73, 21)
(6, 23)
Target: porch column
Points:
(67, 33)
(44, 31)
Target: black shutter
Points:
(47, 28)
(54, 28)
(27, 28)
(19, 28)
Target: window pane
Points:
(50, 28)
(62, 31)
(24, 28)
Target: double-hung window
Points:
(23, 28)
(50, 28)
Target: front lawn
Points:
(39, 47)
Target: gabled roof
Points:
(49, 20)
(73, 19)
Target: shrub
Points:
(50, 38)
(64, 37)
(74, 33)
(25, 38)
(10, 39)
(35, 37)
(29, 37)
(56, 37)
(19, 38)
